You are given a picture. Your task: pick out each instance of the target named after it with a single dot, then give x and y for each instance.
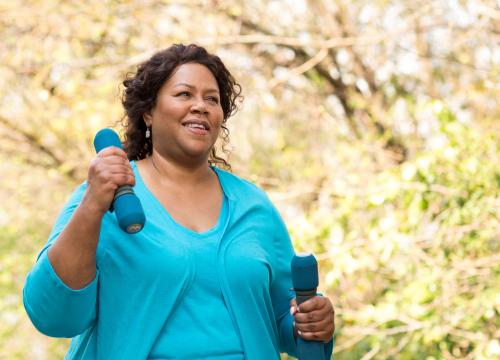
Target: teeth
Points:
(192, 125)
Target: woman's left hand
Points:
(314, 319)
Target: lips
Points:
(196, 124)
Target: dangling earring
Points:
(148, 133)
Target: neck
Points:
(170, 172)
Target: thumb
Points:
(293, 306)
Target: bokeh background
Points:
(372, 124)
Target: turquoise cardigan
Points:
(142, 277)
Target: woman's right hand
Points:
(109, 170)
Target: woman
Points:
(209, 275)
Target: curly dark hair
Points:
(142, 87)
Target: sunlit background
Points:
(372, 124)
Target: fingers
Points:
(324, 336)
(314, 319)
(112, 150)
(111, 165)
(316, 302)
(323, 325)
(293, 307)
(111, 171)
(312, 316)
(316, 330)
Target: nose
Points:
(199, 106)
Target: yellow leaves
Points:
(433, 334)
(424, 162)
(493, 348)
(376, 199)
(336, 235)
(5, 277)
(385, 188)
(303, 228)
(43, 95)
(379, 314)
(450, 153)
(471, 165)
(269, 102)
(408, 171)
(437, 106)
(4, 216)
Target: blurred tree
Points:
(372, 124)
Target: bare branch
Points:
(308, 65)
(33, 140)
(370, 354)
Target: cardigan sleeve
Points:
(282, 293)
(54, 308)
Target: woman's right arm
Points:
(60, 291)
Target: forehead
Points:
(193, 74)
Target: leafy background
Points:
(372, 124)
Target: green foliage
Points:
(412, 261)
(18, 338)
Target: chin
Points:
(197, 153)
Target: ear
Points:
(148, 118)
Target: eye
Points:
(213, 99)
(183, 93)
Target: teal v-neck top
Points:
(143, 279)
(202, 316)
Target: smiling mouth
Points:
(201, 125)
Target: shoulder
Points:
(239, 188)
(249, 196)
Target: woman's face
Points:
(187, 118)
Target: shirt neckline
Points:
(218, 225)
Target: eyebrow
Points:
(192, 87)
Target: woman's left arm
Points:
(282, 297)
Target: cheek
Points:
(169, 110)
(219, 116)
(218, 122)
